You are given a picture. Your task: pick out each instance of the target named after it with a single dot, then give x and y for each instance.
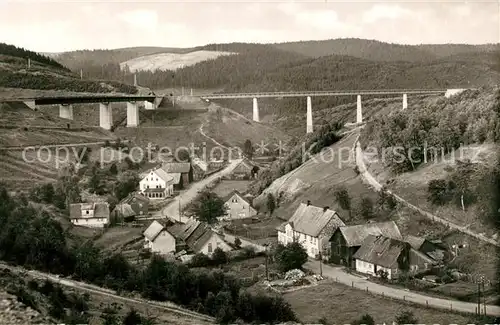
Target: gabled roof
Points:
(159, 172)
(194, 233)
(238, 194)
(355, 235)
(183, 231)
(163, 175)
(154, 229)
(199, 237)
(414, 241)
(244, 164)
(134, 195)
(101, 210)
(310, 220)
(176, 177)
(174, 167)
(125, 210)
(203, 165)
(379, 250)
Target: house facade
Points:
(157, 184)
(135, 204)
(158, 239)
(346, 240)
(312, 227)
(93, 215)
(197, 237)
(244, 170)
(379, 254)
(238, 207)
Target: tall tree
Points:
(248, 149)
(271, 203)
(208, 207)
(343, 199)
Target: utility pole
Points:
(81, 74)
(267, 272)
(484, 296)
(179, 210)
(479, 298)
(320, 264)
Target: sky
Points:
(57, 26)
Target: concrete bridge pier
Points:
(309, 117)
(66, 111)
(359, 111)
(132, 114)
(256, 117)
(405, 101)
(149, 105)
(105, 115)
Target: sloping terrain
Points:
(20, 68)
(381, 51)
(467, 123)
(170, 61)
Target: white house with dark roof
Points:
(238, 207)
(157, 184)
(158, 239)
(197, 237)
(312, 227)
(94, 215)
(382, 254)
(346, 240)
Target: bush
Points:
(200, 260)
(219, 256)
(289, 257)
(237, 243)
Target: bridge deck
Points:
(79, 99)
(326, 93)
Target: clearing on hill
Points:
(170, 61)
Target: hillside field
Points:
(170, 61)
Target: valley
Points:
(246, 227)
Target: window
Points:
(210, 247)
(157, 179)
(87, 212)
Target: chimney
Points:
(325, 208)
(308, 203)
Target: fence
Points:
(370, 180)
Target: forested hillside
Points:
(46, 74)
(16, 52)
(381, 51)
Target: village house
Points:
(238, 207)
(200, 168)
(244, 170)
(429, 248)
(158, 239)
(197, 237)
(182, 173)
(198, 173)
(157, 184)
(94, 215)
(346, 240)
(312, 227)
(135, 204)
(382, 255)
